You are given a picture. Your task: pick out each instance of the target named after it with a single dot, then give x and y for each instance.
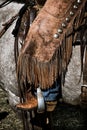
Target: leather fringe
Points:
(44, 74)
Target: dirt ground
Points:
(68, 117)
(65, 117)
(8, 118)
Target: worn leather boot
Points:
(30, 104)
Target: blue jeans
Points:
(52, 93)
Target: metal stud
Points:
(79, 1)
(71, 13)
(63, 25)
(60, 30)
(67, 19)
(56, 35)
(75, 6)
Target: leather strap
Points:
(85, 69)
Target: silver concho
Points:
(71, 13)
(79, 1)
(60, 30)
(67, 19)
(56, 35)
(64, 25)
(75, 6)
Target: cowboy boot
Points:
(33, 102)
(29, 104)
